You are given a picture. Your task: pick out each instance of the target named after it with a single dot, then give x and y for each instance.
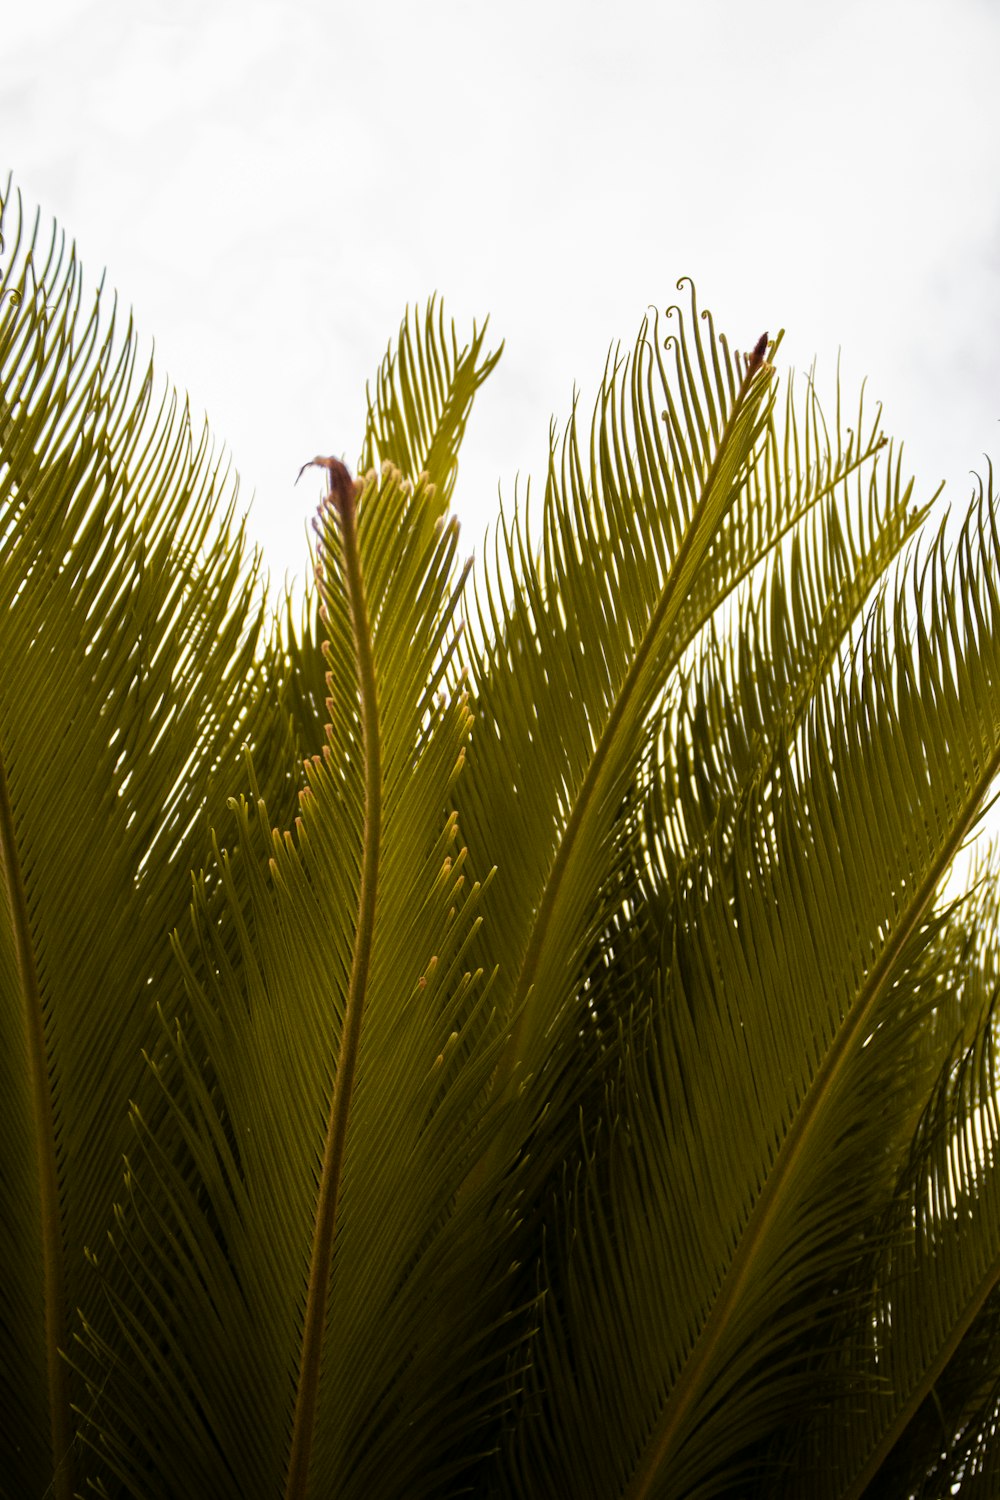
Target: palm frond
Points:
(744, 690)
(750, 680)
(417, 416)
(235, 1185)
(931, 1336)
(423, 395)
(641, 548)
(128, 624)
(694, 1275)
(573, 656)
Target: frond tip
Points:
(342, 487)
(756, 357)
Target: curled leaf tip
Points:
(342, 488)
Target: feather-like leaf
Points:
(128, 622)
(409, 1279)
(696, 1277)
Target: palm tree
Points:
(566, 1071)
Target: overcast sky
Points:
(269, 184)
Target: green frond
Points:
(416, 420)
(929, 1341)
(744, 688)
(691, 483)
(780, 999)
(423, 395)
(573, 663)
(750, 680)
(128, 625)
(232, 1182)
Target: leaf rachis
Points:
(342, 497)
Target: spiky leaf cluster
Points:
(506, 1030)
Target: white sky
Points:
(269, 184)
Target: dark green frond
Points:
(772, 1028)
(926, 1351)
(688, 488)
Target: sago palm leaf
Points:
(417, 415)
(691, 483)
(729, 1197)
(751, 679)
(300, 1210)
(128, 626)
(931, 1339)
(746, 686)
(570, 654)
(423, 395)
